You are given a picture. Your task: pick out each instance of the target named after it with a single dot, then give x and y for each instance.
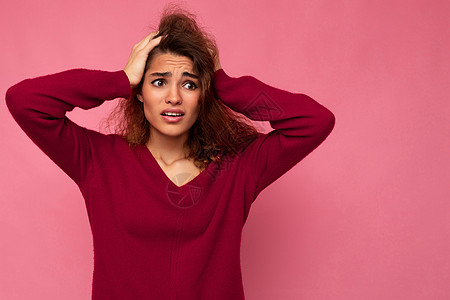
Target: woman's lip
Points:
(174, 110)
(172, 119)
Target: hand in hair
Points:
(216, 61)
(218, 66)
(136, 62)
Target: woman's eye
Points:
(190, 85)
(157, 81)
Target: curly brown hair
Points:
(218, 130)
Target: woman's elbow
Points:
(16, 97)
(331, 120)
(326, 123)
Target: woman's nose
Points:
(174, 96)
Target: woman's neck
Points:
(168, 148)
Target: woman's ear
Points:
(139, 96)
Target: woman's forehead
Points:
(171, 61)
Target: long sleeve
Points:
(300, 125)
(39, 106)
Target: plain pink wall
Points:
(365, 216)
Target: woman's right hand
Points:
(136, 62)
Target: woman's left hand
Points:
(217, 63)
(215, 55)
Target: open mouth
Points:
(171, 114)
(172, 117)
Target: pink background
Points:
(365, 216)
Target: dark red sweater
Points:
(153, 239)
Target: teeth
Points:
(172, 114)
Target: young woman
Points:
(168, 194)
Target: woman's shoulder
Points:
(101, 143)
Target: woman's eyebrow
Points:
(168, 74)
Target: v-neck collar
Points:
(148, 156)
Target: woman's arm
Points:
(39, 106)
(300, 125)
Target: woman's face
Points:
(170, 84)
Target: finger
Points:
(151, 36)
(143, 43)
(145, 49)
(149, 41)
(152, 44)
